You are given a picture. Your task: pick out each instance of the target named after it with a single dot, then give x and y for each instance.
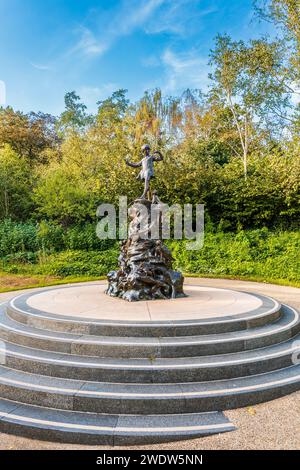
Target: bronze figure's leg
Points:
(146, 188)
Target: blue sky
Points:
(49, 47)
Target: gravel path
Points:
(271, 425)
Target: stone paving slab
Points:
(90, 301)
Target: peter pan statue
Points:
(147, 171)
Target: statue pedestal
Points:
(145, 271)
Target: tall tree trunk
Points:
(242, 134)
(245, 163)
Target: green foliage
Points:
(236, 150)
(113, 108)
(15, 185)
(62, 195)
(84, 238)
(22, 238)
(257, 254)
(269, 197)
(17, 237)
(74, 117)
(286, 15)
(250, 79)
(79, 263)
(50, 237)
(28, 134)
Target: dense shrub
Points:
(256, 253)
(84, 238)
(78, 263)
(48, 237)
(250, 253)
(17, 237)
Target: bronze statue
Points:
(145, 263)
(147, 171)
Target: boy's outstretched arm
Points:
(132, 164)
(159, 157)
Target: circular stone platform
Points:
(91, 302)
(80, 366)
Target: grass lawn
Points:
(11, 282)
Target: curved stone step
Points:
(19, 310)
(161, 370)
(142, 399)
(119, 382)
(96, 429)
(132, 347)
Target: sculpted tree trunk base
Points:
(145, 264)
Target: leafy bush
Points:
(21, 257)
(270, 255)
(17, 237)
(73, 263)
(84, 238)
(48, 237)
(249, 253)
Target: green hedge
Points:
(253, 253)
(17, 237)
(256, 253)
(47, 237)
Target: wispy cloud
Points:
(132, 15)
(88, 44)
(42, 67)
(180, 17)
(152, 16)
(184, 70)
(136, 14)
(151, 61)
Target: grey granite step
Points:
(103, 429)
(136, 347)
(19, 310)
(143, 399)
(118, 383)
(160, 370)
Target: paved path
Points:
(272, 425)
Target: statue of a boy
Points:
(147, 171)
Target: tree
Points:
(286, 15)
(15, 185)
(114, 107)
(28, 134)
(166, 120)
(246, 79)
(64, 195)
(75, 116)
(149, 118)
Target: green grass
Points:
(20, 282)
(13, 282)
(279, 282)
